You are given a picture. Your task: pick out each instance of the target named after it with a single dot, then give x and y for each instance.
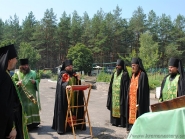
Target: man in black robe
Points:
(117, 94)
(11, 123)
(66, 78)
(138, 99)
(173, 84)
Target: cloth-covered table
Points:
(168, 124)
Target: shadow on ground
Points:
(43, 130)
(98, 133)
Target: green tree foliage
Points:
(86, 30)
(28, 28)
(6, 42)
(178, 34)
(137, 26)
(76, 29)
(148, 51)
(97, 36)
(127, 59)
(120, 34)
(107, 35)
(165, 38)
(152, 25)
(45, 41)
(27, 51)
(171, 50)
(39, 43)
(81, 56)
(63, 37)
(12, 30)
(1, 29)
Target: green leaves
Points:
(6, 42)
(27, 51)
(81, 56)
(107, 35)
(148, 51)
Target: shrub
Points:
(154, 83)
(54, 77)
(155, 80)
(45, 74)
(103, 77)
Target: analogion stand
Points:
(69, 93)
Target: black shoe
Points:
(114, 125)
(32, 126)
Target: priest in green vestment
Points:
(28, 81)
(168, 123)
(117, 94)
(173, 85)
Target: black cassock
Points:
(125, 80)
(61, 105)
(143, 97)
(11, 110)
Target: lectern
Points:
(69, 118)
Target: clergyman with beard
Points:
(66, 78)
(173, 85)
(28, 81)
(117, 94)
(138, 99)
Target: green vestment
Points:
(170, 88)
(31, 109)
(116, 95)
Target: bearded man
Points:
(28, 81)
(117, 94)
(66, 79)
(173, 85)
(138, 99)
